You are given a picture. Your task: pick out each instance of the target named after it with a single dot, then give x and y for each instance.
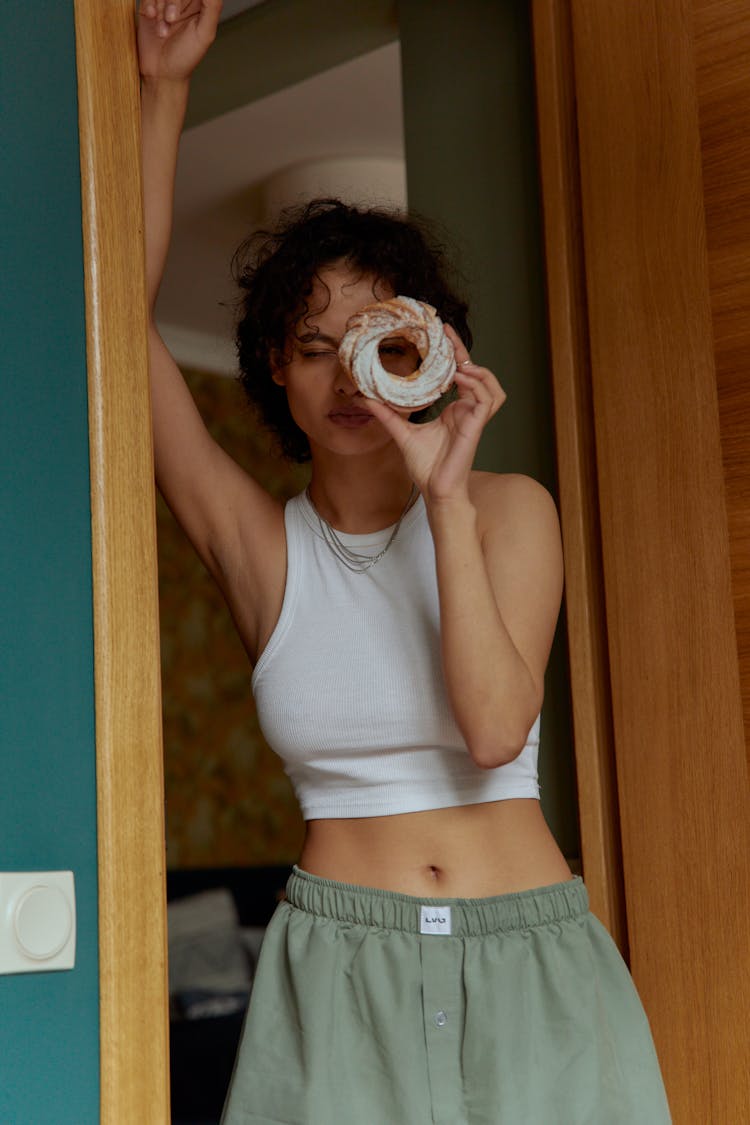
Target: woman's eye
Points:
(399, 357)
(318, 354)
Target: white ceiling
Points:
(352, 111)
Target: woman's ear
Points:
(278, 369)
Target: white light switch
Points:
(37, 921)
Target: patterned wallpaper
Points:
(228, 801)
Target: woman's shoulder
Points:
(517, 518)
(519, 529)
(505, 498)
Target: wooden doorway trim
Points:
(576, 457)
(682, 786)
(134, 1043)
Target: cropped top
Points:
(350, 690)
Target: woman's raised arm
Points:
(224, 513)
(172, 40)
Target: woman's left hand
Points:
(439, 454)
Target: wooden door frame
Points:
(578, 497)
(639, 440)
(134, 1045)
(134, 1030)
(599, 351)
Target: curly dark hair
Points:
(276, 269)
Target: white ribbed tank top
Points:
(350, 691)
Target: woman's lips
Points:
(350, 419)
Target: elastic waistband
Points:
(367, 906)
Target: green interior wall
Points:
(469, 119)
(49, 1024)
(470, 135)
(280, 43)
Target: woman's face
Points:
(323, 400)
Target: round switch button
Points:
(43, 922)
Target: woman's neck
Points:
(356, 495)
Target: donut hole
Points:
(399, 356)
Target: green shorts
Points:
(372, 1008)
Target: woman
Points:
(434, 961)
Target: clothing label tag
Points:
(435, 920)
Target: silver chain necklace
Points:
(353, 560)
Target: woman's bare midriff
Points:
(470, 851)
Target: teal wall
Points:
(49, 1031)
(470, 135)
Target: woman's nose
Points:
(343, 385)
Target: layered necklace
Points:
(353, 560)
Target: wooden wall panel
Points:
(134, 1071)
(576, 459)
(722, 49)
(677, 716)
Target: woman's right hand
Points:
(174, 35)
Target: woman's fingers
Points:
(391, 421)
(459, 347)
(174, 36)
(482, 384)
(167, 13)
(210, 12)
(156, 12)
(473, 379)
(463, 359)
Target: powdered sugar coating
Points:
(417, 322)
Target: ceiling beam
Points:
(280, 43)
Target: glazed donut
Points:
(415, 321)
